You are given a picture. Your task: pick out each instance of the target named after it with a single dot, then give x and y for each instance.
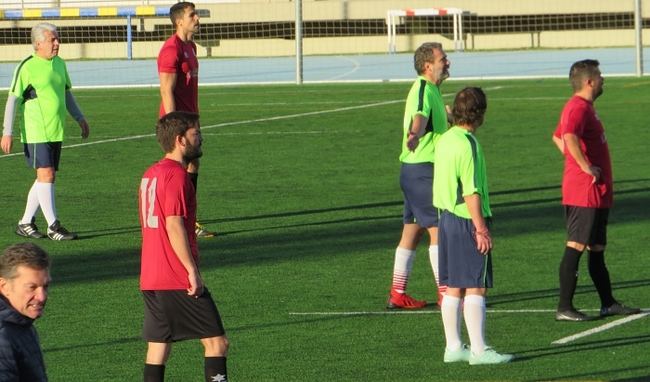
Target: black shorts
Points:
(586, 225)
(40, 155)
(416, 181)
(460, 263)
(172, 315)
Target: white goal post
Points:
(396, 17)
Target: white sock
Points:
(402, 269)
(32, 205)
(451, 318)
(433, 257)
(474, 309)
(45, 193)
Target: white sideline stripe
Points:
(601, 328)
(258, 120)
(276, 118)
(407, 312)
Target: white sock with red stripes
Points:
(402, 269)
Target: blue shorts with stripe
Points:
(45, 154)
(461, 264)
(416, 181)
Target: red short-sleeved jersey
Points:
(165, 190)
(179, 57)
(579, 118)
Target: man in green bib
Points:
(40, 89)
(425, 119)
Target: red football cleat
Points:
(404, 301)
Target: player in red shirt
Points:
(178, 71)
(177, 304)
(587, 192)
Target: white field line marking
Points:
(407, 312)
(601, 328)
(234, 123)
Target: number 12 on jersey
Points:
(147, 202)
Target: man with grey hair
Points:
(24, 280)
(40, 89)
(425, 120)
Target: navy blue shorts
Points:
(461, 264)
(416, 181)
(172, 315)
(586, 225)
(40, 155)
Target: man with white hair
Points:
(40, 89)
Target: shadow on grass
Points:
(508, 298)
(600, 374)
(321, 237)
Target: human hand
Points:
(595, 172)
(483, 241)
(85, 129)
(7, 142)
(412, 142)
(196, 285)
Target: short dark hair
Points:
(172, 125)
(424, 54)
(177, 11)
(581, 70)
(469, 107)
(25, 254)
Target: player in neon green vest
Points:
(425, 119)
(41, 89)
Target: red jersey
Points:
(165, 190)
(179, 57)
(579, 117)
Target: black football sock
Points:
(215, 369)
(154, 373)
(194, 178)
(600, 277)
(568, 277)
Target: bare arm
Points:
(483, 239)
(572, 144)
(418, 127)
(181, 245)
(167, 85)
(559, 143)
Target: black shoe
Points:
(29, 230)
(571, 315)
(618, 309)
(57, 232)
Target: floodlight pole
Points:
(298, 42)
(638, 29)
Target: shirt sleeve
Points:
(167, 59)
(19, 82)
(424, 108)
(574, 121)
(176, 192)
(467, 171)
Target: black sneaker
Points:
(29, 230)
(571, 315)
(618, 309)
(57, 232)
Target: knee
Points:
(575, 245)
(596, 248)
(45, 175)
(216, 346)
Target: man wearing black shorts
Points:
(177, 304)
(587, 192)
